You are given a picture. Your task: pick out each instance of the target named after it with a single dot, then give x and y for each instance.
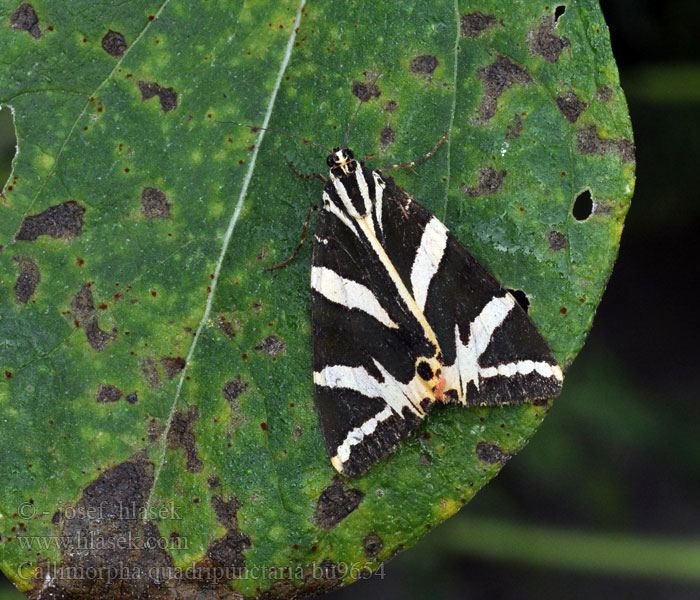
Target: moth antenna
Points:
(256, 128)
(352, 119)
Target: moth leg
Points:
(413, 163)
(367, 158)
(304, 175)
(304, 233)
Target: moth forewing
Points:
(403, 317)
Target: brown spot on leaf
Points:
(114, 44)
(213, 482)
(105, 534)
(604, 94)
(588, 142)
(474, 24)
(181, 435)
(489, 182)
(387, 138)
(83, 309)
(227, 328)
(27, 280)
(543, 42)
(63, 221)
(557, 240)
(516, 128)
(227, 552)
(365, 91)
(571, 106)
(167, 96)
(154, 204)
(234, 388)
(149, 368)
(172, 365)
(500, 75)
(272, 345)
(24, 18)
(226, 511)
(391, 106)
(107, 393)
(491, 454)
(335, 503)
(132, 398)
(372, 544)
(424, 65)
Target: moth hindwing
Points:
(404, 317)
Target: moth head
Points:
(341, 160)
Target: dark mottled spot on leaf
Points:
(107, 393)
(132, 398)
(473, 24)
(272, 345)
(500, 75)
(491, 454)
(214, 482)
(557, 240)
(226, 510)
(543, 42)
(24, 18)
(365, 91)
(110, 511)
(297, 431)
(172, 365)
(521, 298)
(27, 280)
(149, 368)
(167, 96)
(114, 44)
(391, 106)
(516, 128)
(387, 138)
(372, 544)
(234, 388)
(425, 460)
(227, 552)
(155, 429)
(588, 142)
(226, 327)
(63, 221)
(335, 503)
(83, 309)
(424, 65)
(571, 106)
(154, 204)
(604, 94)
(181, 435)
(489, 182)
(583, 206)
(57, 517)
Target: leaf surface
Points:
(146, 359)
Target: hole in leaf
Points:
(8, 144)
(583, 206)
(521, 298)
(558, 12)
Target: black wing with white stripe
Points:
(403, 316)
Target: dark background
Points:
(620, 451)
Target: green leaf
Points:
(149, 362)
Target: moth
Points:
(403, 318)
